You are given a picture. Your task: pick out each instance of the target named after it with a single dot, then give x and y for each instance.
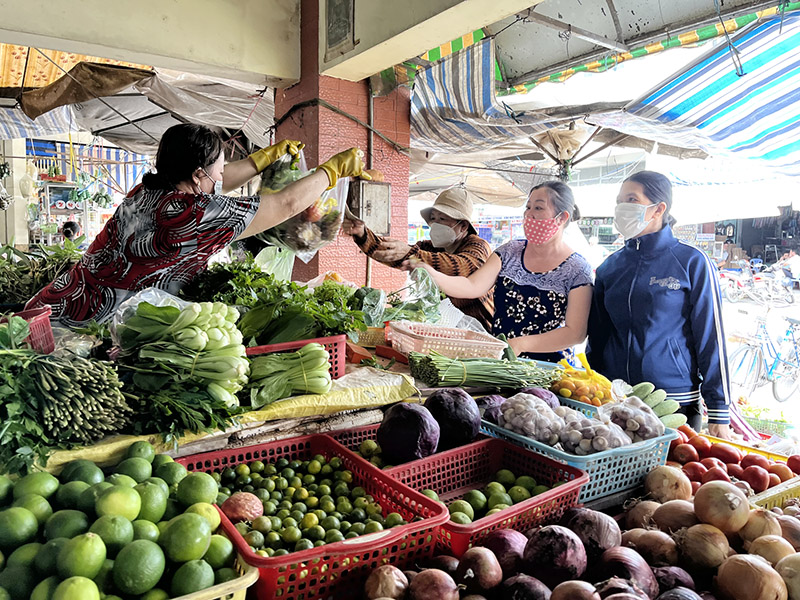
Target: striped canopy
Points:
(453, 106)
(708, 105)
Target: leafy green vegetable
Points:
(14, 332)
(23, 274)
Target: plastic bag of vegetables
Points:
(532, 417)
(636, 418)
(584, 435)
(315, 227)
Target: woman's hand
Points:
(266, 156)
(415, 263)
(519, 344)
(723, 432)
(391, 251)
(345, 164)
(353, 227)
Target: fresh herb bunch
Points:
(23, 274)
(235, 284)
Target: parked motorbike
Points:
(770, 286)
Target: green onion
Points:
(437, 370)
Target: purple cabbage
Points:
(491, 407)
(457, 414)
(549, 397)
(408, 432)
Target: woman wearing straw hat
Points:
(454, 248)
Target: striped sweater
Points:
(462, 262)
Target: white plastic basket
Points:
(450, 342)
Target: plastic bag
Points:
(532, 417)
(127, 309)
(69, 343)
(421, 304)
(584, 435)
(636, 418)
(454, 317)
(315, 227)
(276, 261)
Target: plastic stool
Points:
(771, 248)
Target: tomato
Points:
(681, 439)
(794, 463)
(773, 480)
(687, 431)
(702, 444)
(676, 465)
(757, 477)
(748, 460)
(313, 213)
(734, 470)
(725, 452)
(694, 470)
(715, 474)
(781, 470)
(695, 486)
(710, 463)
(685, 453)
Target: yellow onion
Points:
(722, 505)
(703, 546)
(790, 530)
(640, 514)
(630, 537)
(675, 515)
(657, 548)
(771, 548)
(746, 577)
(667, 483)
(760, 522)
(789, 569)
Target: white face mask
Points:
(629, 219)
(217, 184)
(442, 236)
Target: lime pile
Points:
(144, 530)
(371, 451)
(503, 492)
(305, 504)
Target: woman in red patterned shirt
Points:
(167, 228)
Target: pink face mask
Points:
(540, 231)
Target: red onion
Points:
(679, 593)
(508, 546)
(671, 577)
(616, 586)
(629, 564)
(479, 570)
(386, 581)
(554, 554)
(596, 530)
(574, 590)
(524, 587)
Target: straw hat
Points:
(456, 203)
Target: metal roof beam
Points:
(577, 32)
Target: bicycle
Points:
(758, 361)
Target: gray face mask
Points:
(217, 184)
(442, 236)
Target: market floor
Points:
(741, 318)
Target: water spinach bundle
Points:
(277, 376)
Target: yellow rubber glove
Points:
(345, 164)
(266, 156)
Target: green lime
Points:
(225, 575)
(171, 472)
(220, 552)
(526, 481)
(159, 482)
(6, 490)
(197, 487)
(47, 557)
(77, 588)
(255, 539)
(460, 518)
(154, 594)
(121, 479)
(17, 526)
(540, 489)
(39, 482)
(394, 519)
(104, 580)
(160, 460)
(499, 507)
(18, 582)
(309, 520)
(358, 515)
(174, 508)
(495, 499)
(303, 544)
(314, 533)
(518, 494)
(372, 527)
(357, 528)
(153, 501)
(291, 535)
(82, 556)
(274, 540)
(494, 510)
(145, 530)
(495, 488)
(186, 537)
(368, 448)
(333, 535)
(194, 576)
(87, 472)
(431, 494)
(462, 506)
(141, 449)
(88, 498)
(66, 471)
(242, 470)
(68, 494)
(139, 567)
(477, 500)
(115, 531)
(505, 477)
(136, 468)
(35, 503)
(45, 589)
(270, 508)
(24, 555)
(119, 500)
(330, 522)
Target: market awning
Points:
(751, 111)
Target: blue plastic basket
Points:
(590, 410)
(610, 471)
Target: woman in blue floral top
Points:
(542, 289)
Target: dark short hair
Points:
(182, 150)
(658, 189)
(561, 196)
(70, 229)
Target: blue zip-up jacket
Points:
(656, 316)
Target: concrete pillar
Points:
(326, 133)
(14, 221)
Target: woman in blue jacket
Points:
(656, 313)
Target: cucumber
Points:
(666, 408)
(656, 398)
(674, 420)
(643, 390)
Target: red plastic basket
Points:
(336, 570)
(352, 438)
(41, 336)
(335, 345)
(453, 473)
